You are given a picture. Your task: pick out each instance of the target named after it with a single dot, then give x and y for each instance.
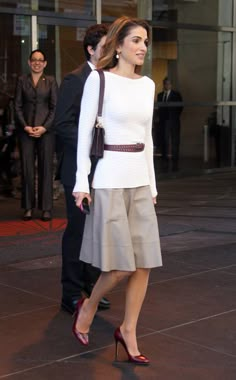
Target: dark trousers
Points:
(7, 146)
(170, 132)
(43, 149)
(75, 273)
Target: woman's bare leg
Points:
(104, 284)
(135, 293)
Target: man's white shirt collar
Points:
(168, 93)
(93, 67)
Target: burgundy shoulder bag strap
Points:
(97, 147)
(101, 92)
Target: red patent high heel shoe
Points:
(82, 337)
(139, 359)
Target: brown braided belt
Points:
(139, 147)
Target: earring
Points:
(117, 56)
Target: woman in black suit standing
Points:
(35, 103)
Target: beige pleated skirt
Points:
(121, 232)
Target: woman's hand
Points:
(79, 196)
(154, 199)
(35, 131)
(39, 131)
(28, 129)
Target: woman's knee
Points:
(121, 275)
(143, 270)
(143, 273)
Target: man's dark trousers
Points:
(77, 276)
(170, 130)
(75, 273)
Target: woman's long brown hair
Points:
(115, 37)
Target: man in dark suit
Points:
(169, 122)
(77, 276)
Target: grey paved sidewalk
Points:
(188, 323)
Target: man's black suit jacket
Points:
(66, 122)
(169, 113)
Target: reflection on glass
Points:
(206, 12)
(193, 59)
(15, 47)
(224, 75)
(46, 43)
(63, 47)
(16, 4)
(82, 7)
(199, 63)
(118, 8)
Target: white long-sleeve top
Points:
(127, 119)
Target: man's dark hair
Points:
(93, 36)
(166, 79)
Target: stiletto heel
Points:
(116, 352)
(82, 337)
(138, 359)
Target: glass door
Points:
(15, 46)
(62, 44)
(63, 48)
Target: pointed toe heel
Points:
(83, 338)
(138, 359)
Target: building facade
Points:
(193, 43)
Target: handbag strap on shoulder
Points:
(101, 91)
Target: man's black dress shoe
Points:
(69, 304)
(104, 304)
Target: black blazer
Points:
(66, 122)
(35, 106)
(169, 113)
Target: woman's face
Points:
(37, 63)
(134, 47)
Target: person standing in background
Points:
(35, 104)
(169, 123)
(77, 277)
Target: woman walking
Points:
(121, 233)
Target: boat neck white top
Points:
(127, 119)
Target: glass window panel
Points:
(46, 42)
(63, 46)
(199, 63)
(15, 47)
(226, 13)
(118, 8)
(82, 7)
(16, 4)
(201, 12)
(224, 75)
(194, 57)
